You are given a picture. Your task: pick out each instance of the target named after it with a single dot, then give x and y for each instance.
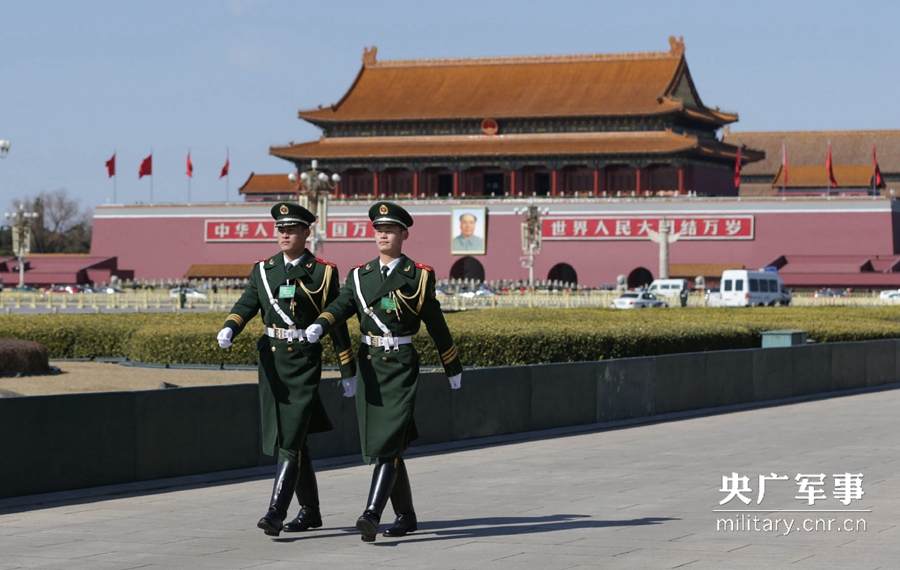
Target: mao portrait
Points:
(468, 230)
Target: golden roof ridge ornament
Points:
(369, 56)
(676, 47)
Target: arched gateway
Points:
(639, 277)
(563, 272)
(467, 268)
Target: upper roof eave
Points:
(594, 85)
(459, 147)
(319, 116)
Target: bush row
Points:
(484, 338)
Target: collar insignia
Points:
(367, 266)
(408, 267)
(271, 262)
(308, 265)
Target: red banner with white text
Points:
(637, 228)
(358, 229)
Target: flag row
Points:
(146, 168)
(829, 166)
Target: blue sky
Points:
(79, 80)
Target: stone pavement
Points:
(639, 496)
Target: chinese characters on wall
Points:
(264, 230)
(631, 228)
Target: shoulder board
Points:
(425, 267)
(358, 266)
(322, 261)
(263, 260)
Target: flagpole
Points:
(783, 169)
(151, 176)
(115, 174)
(189, 177)
(227, 174)
(874, 172)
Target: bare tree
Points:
(61, 225)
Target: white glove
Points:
(349, 385)
(224, 337)
(455, 381)
(313, 333)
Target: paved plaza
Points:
(638, 496)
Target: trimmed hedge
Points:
(18, 355)
(484, 338)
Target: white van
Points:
(742, 288)
(667, 287)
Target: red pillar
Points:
(596, 190)
(375, 184)
(680, 179)
(415, 183)
(637, 180)
(553, 187)
(456, 182)
(512, 182)
(337, 190)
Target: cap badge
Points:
(283, 209)
(383, 210)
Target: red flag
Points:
(879, 181)
(224, 168)
(190, 166)
(828, 166)
(111, 166)
(146, 167)
(737, 168)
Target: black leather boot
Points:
(382, 483)
(282, 493)
(308, 498)
(401, 500)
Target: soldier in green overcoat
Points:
(291, 289)
(392, 296)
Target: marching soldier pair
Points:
(299, 299)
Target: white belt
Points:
(289, 335)
(387, 342)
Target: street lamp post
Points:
(21, 227)
(313, 191)
(531, 238)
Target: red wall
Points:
(165, 247)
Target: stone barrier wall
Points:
(57, 443)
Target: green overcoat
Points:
(289, 373)
(386, 398)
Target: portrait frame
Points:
(476, 244)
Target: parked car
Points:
(482, 292)
(108, 290)
(742, 288)
(889, 294)
(189, 293)
(892, 299)
(637, 300)
(827, 293)
(714, 297)
(667, 287)
(67, 289)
